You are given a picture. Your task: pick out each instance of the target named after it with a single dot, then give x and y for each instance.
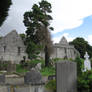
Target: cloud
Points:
(69, 14)
(66, 35)
(15, 18)
(89, 39)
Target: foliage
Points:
(80, 65)
(46, 71)
(4, 7)
(51, 85)
(33, 63)
(33, 50)
(82, 46)
(84, 79)
(38, 26)
(3, 65)
(85, 82)
(91, 61)
(20, 69)
(23, 36)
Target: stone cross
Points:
(87, 63)
(86, 56)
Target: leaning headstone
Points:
(33, 77)
(66, 76)
(2, 78)
(87, 63)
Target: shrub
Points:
(20, 69)
(51, 85)
(46, 71)
(85, 82)
(80, 65)
(33, 63)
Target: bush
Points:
(80, 65)
(33, 63)
(46, 71)
(51, 85)
(20, 69)
(85, 82)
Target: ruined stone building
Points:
(12, 48)
(63, 50)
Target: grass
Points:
(46, 71)
(20, 69)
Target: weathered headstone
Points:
(11, 67)
(38, 67)
(2, 78)
(66, 76)
(33, 77)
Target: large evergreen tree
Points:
(82, 46)
(4, 7)
(38, 26)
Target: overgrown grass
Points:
(46, 71)
(20, 69)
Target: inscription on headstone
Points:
(66, 76)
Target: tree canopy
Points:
(4, 7)
(82, 46)
(38, 26)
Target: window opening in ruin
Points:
(19, 50)
(4, 49)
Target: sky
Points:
(71, 18)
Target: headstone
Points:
(87, 63)
(66, 76)
(2, 78)
(11, 67)
(38, 67)
(33, 77)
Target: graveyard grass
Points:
(84, 79)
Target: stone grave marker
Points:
(11, 67)
(33, 77)
(2, 78)
(66, 76)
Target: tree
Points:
(4, 7)
(82, 46)
(38, 26)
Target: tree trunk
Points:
(46, 57)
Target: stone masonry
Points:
(63, 50)
(12, 48)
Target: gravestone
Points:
(2, 78)
(11, 67)
(87, 63)
(33, 77)
(38, 67)
(66, 76)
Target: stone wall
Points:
(63, 50)
(12, 48)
